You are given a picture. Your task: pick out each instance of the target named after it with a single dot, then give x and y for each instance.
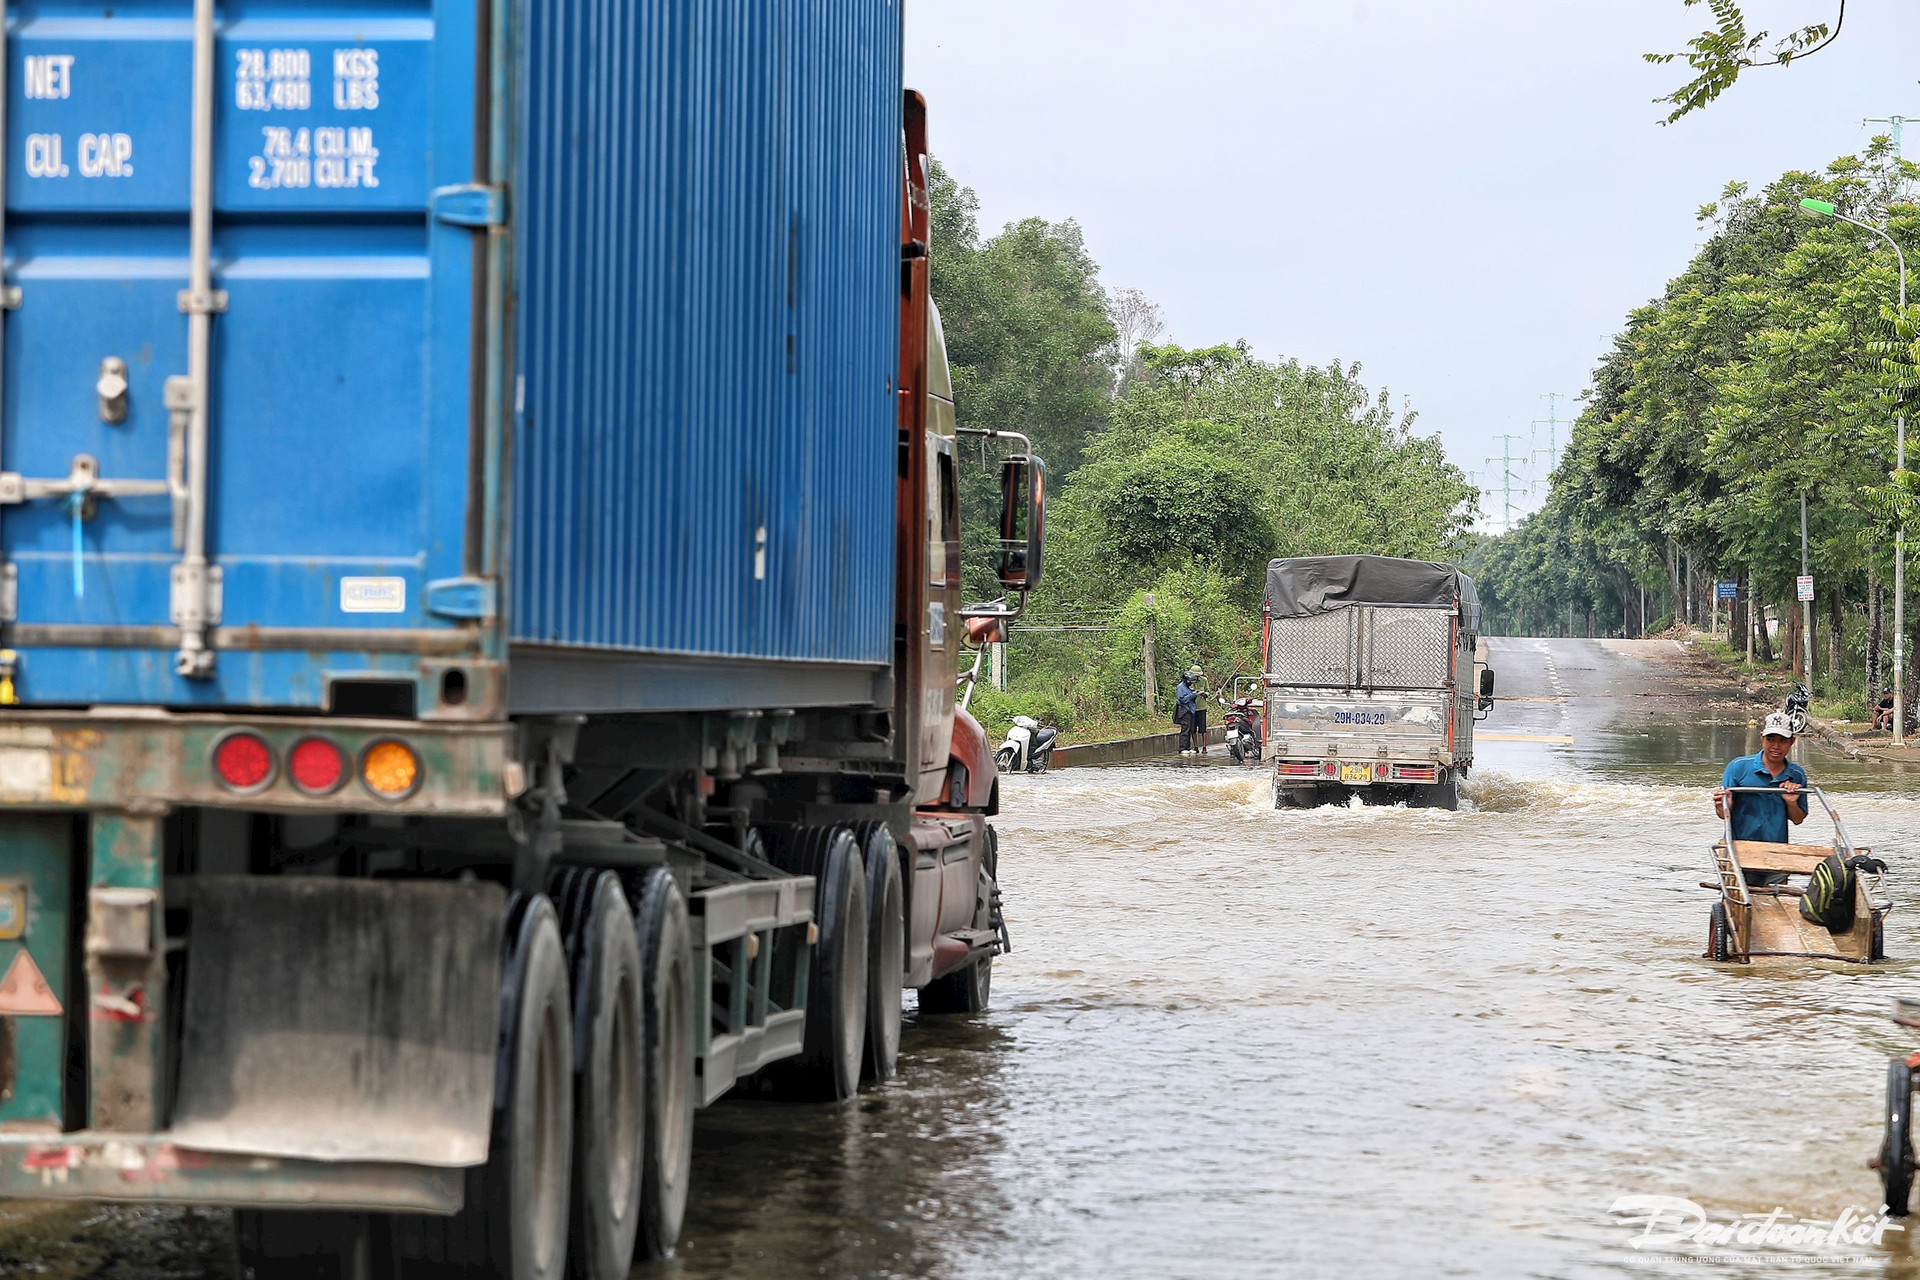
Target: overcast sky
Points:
(1465, 196)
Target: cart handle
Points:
(1843, 843)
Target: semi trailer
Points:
(1374, 680)
(480, 588)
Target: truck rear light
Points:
(1416, 773)
(390, 769)
(1379, 771)
(244, 762)
(316, 766)
(1287, 770)
(1329, 768)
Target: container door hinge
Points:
(470, 206)
(9, 592)
(465, 598)
(185, 602)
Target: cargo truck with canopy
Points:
(479, 610)
(1372, 683)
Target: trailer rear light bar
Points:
(1290, 770)
(1416, 773)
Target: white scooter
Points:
(1028, 748)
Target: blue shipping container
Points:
(555, 333)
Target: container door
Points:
(239, 517)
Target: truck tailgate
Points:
(1310, 722)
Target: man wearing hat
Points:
(1758, 817)
(1188, 712)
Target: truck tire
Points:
(886, 948)
(609, 1046)
(666, 967)
(828, 1068)
(1896, 1143)
(302, 1244)
(969, 989)
(514, 1223)
(1441, 795)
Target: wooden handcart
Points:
(1762, 922)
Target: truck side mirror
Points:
(984, 630)
(1023, 521)
(1486, 682)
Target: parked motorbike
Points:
(1243, 730)
(1028, 748)
(1796, 708)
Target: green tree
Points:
(1029, 342)
(1718, 55)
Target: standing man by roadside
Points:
(1186, 708)
(1765, 817)
(1190, 713)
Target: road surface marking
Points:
(1524, 737)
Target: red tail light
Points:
(1379, 771)
(243, 761)
(316, 765)
(1329, 768)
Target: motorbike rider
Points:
(1765, 817)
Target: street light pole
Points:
(1900, 465)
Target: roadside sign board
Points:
(1805, 583)
(1727, 590)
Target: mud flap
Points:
(341, 1019)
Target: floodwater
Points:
(1235, 1042)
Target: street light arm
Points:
(1898, 256)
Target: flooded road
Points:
(1236, 1043)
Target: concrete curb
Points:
(1121, 750)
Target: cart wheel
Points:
(1719, 935)
(1896, 1148)
(1877, 949)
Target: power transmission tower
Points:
(1552, 422)
(1507, 477)
(1895, 122)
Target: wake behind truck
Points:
(480, 596)
(1372, 681)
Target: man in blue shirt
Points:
(1757, 817)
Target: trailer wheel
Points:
(828, 1068)
(609, 1046)
(886, 948)
(514, 1223)
(666, 967)
(1896, 1147)
(302, 1244)
(1719, 934)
